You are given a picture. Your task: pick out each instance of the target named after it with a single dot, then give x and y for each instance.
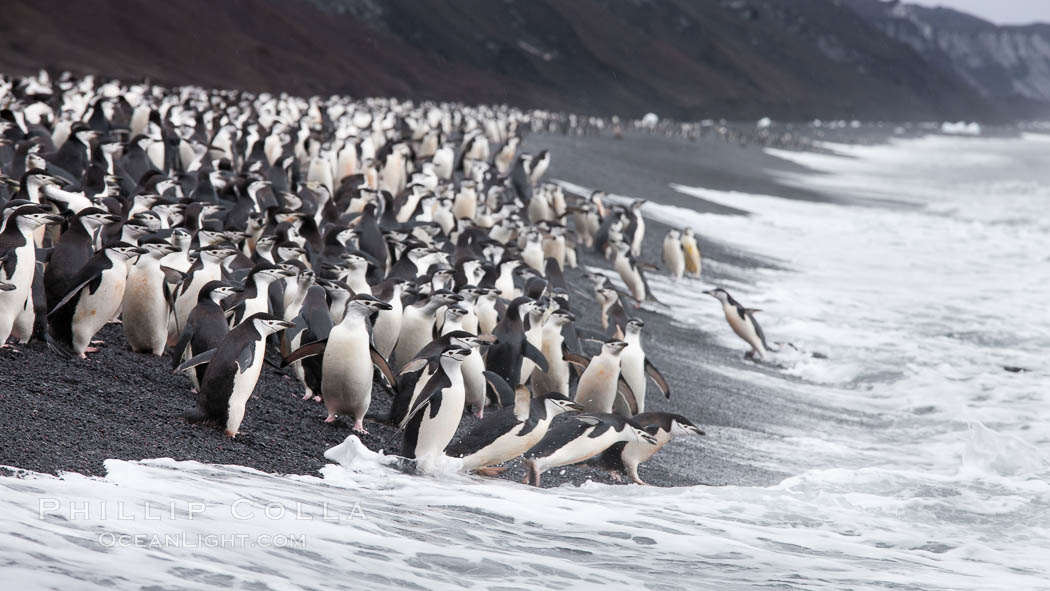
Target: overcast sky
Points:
(998, 11)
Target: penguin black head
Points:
(614, 346)
(455, 353)
(635, 324)
(559, 403)
(126, 250)
(267, 324)
(719, 294)
(369, 302)
(563, 316)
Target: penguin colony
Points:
(405, 248)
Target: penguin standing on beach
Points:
(233, 370)
(579, 439)
(692, 252)
(673, 256)
(97, 293)
(635, 367)
(145, 308)
(18, 260)
(510, 432)
(600, 383)
(205, 328)
(742, 321)
(346, 368)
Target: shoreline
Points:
(70, 416)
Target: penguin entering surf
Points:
(434, 417)
(742, 321)
(233, 370)
(625, 457)
(580, 438)
(510, 432)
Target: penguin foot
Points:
(317, 398)
(6, 347)
(480, 413)
(360, 427)
(492, 471)
(88, 350)
(308, 395)
(230, 434)
(98, 342)
(330, 419)
(615, 475)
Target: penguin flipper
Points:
(196, 360)
(624, 391)
(657, 378)
(530, 351)
(314, 348)
(73, 292)
(578, 360)
(413, 366)
(501, 388)
(383, 366)
(180, 346)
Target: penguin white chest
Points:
(347, 365)
(243, 387)
(94, 310)
(437, 430)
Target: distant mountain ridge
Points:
(1000, 61)
(738, 59)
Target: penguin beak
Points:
(382, 306)
(697, 431)
(284, 324)
(53, 219)
(574, 406)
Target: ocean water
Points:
(924, 279)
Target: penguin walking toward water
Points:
(233, 370)
(556, 378)
(510, 432)
(579, 439)
(636, 227)
(346, 368)
(742, 321)
(691, 252)
(662, 426)
(673, 256)
(95, 297)
(145, 308)
(635, 367)
(432, 421)
(631, 273)
(601, 384)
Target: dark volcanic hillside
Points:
(680, 58)
(1009, 62)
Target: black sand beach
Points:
(60, 415)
